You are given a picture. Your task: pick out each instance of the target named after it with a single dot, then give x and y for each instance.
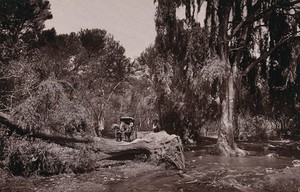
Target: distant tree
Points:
(99, 70)
(182, 51)
(56, 54)
(145, 85)
(93, 40)
(51, 59)
(90, 64)
(107, 55)
(21, 23)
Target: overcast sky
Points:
(130, 21)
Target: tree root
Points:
(226, 150)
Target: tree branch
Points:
(7, 120)
(287, 4)
(254, 17)
(268, 53)
(248, 19)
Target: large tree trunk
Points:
(226, 145)
(159, 147)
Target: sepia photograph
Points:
(149, 95)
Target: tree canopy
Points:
(244, 37)
(241, 63)
(20, 24)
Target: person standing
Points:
(155, 126)
(123, 128)
(128, 131)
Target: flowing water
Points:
(204, 173)
(209, 173)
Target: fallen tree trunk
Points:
(7, 120)
(159, 147)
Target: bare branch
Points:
(115, 87)
(9, 77)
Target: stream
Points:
(204, 173)
(210, 173)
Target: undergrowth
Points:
(27, 156)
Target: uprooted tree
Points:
(50, 116)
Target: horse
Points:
(118, 132)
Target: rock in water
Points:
(166, 147)
(296, 163)
(272, 155)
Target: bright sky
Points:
(131, 22)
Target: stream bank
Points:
(204, 172)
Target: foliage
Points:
(20, 24)
(186, 88)
(15, 87)
(56, 54)
(148, 85)
(209, 77)
(90, 73)
(209, 129)
(98, 73)
(100, 77)
(198, 50)
(243, 36)
(256, 128)
(92, 40)
(90, 64)
(103, 57)
(50, 109)
(25, 156)
(137, 100)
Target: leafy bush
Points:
(50, 110)
(257, 127)
(25, 156)
(210, 129)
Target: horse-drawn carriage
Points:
(125, 131)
